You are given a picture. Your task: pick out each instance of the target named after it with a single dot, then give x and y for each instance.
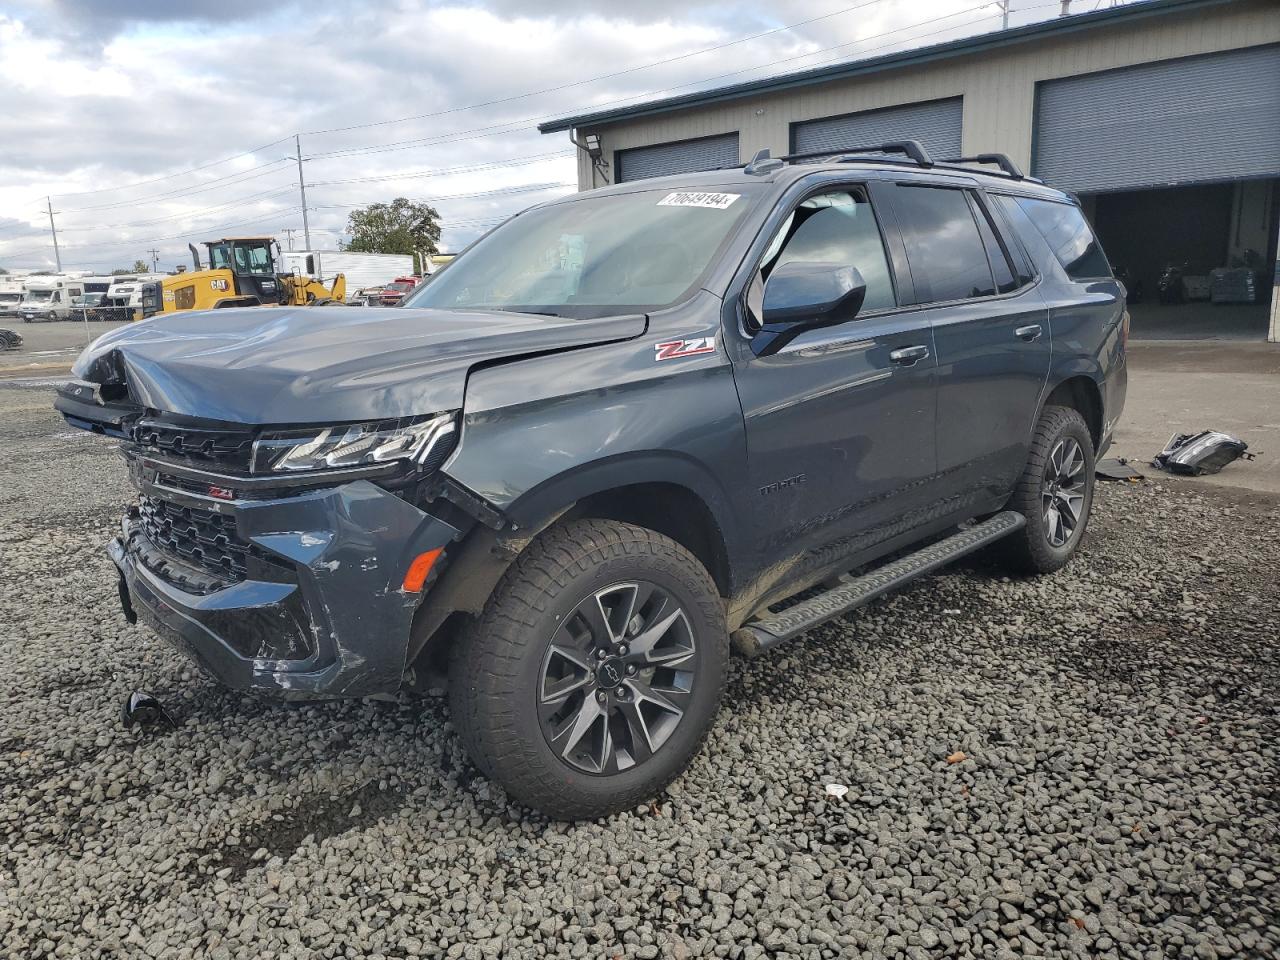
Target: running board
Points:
(757, 636)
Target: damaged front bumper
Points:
(296, 595)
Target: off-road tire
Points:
(496, 665)
(1029, 551)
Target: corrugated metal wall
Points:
(1215, 117)
(936, 125)
(999, 88)
(688, 156)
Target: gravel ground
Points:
(1118, 794)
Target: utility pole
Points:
(57, 256)
(155, 260)
(290, 231)
(1066, 9)
(1004, 13)
(302, 189)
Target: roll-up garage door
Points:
(935, 124)
(1214, 117)
(686, 156)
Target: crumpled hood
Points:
(285, 365)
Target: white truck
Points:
(362, 270)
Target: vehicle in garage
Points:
(621, 432)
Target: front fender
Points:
(543, 433)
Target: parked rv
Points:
(11, 297)
(49, 297)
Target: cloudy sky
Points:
(152, 125)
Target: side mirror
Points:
(803, 296)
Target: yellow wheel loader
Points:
(242, 272)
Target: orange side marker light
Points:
(418, 570)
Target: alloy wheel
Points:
(617, 678)
(1062, 491)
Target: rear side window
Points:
(947, 256)
(1005, 280)
(1065, 229)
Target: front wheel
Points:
(594, 673)
(1055, 493)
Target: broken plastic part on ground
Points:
(1116, 468)
(1197, 454)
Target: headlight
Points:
(420, 441)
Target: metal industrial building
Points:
(1163, 116)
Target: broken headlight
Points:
(423, 441)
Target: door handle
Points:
(907, 356)
(1029, 332)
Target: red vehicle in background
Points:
(395, 291)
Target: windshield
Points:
(594, 256)
(254, 257)
(39, 296)
(10, 297)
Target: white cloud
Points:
(99, 94)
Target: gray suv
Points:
(623, 434)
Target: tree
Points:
(401, 226)
(141, 266)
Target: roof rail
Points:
(913, 149)
(998, 159)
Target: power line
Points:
(512, 126)
(500, 192)
(443, 171)
(171, 176)
(219, 183)
(603, 76)
(189, 214)
(500, 100)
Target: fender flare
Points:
(537, 508)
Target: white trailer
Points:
(361, 270)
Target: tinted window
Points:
(836, 228)
(995, 252)
(1010, 216)
(947, 256)
(1065, 229)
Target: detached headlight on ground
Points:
(416, 441)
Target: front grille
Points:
(227, 447)
(194, 536)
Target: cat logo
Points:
(219, 284)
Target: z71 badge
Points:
(675, 349)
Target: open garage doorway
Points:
(1197, 259)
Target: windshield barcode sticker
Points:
(688, 198)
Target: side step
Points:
(757, 636)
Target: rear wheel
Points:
(595, 671)
(1055, 493)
